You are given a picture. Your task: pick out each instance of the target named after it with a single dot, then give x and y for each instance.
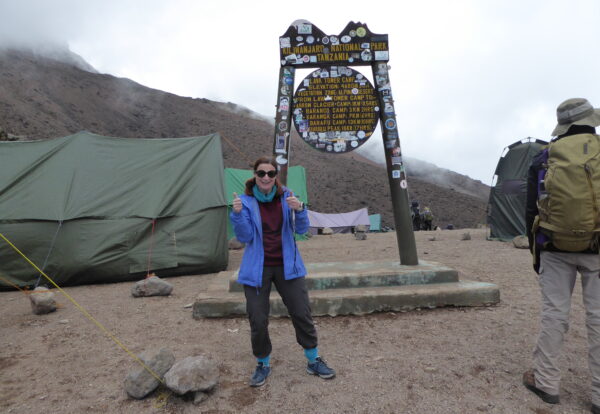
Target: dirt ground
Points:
(448, 360)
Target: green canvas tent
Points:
(235, 180)
(508, 196)
(87, 208)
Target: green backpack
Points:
(569, 193)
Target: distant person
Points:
(563, 223)
(427, 219)
(266, 217)
(415, 213)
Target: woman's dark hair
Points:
(252, 181)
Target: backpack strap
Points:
(557, 229)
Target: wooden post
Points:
(395, 167)
(283, 121)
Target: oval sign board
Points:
(335, 109)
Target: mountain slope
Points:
(45, 98)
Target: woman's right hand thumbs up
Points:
(237, 203)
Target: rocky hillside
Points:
(44, 98)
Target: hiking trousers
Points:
(295, 297)
(558, 272)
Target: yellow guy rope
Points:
(86, 313)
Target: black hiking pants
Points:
(295, 297)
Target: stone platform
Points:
(357, 288)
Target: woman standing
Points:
(266, 217)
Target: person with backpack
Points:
(415, 213)
(563, 222)
(427, 219)
(265, 218)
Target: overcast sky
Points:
(468, 77)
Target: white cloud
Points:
(468, 77)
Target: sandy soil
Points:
(449, 360)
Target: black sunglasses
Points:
(262, 173)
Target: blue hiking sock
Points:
(311, 354)
(265, 361)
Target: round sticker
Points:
(345, 39)
(282, 126)
(325, 40)
(310, 40)
(360, 134)
(281, 160)
(306, 58)
(361, 32)
(329, 147)
(403, 184)
(352, 33)
(354, 91)
(333, 39)
(390, 123)
(354, 144)
(299, 38)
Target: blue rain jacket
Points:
(247, 226)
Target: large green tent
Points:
(235, 180)
(508, 196)
(88, 208)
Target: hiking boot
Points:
(529, 383)
(320, 368)
(260, 375)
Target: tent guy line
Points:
(84, 311)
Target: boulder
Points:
(192, 374)
(360, 236)
(139, 382)
(42, 301)
(151, 286)
(327, 231)
(521, 242)
(466, 236)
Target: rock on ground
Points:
(139, 382)
(151, 286)
(521, 242)
(42, 301)
(197, 373)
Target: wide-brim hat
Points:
(575, 111)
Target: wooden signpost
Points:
(335, 108)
